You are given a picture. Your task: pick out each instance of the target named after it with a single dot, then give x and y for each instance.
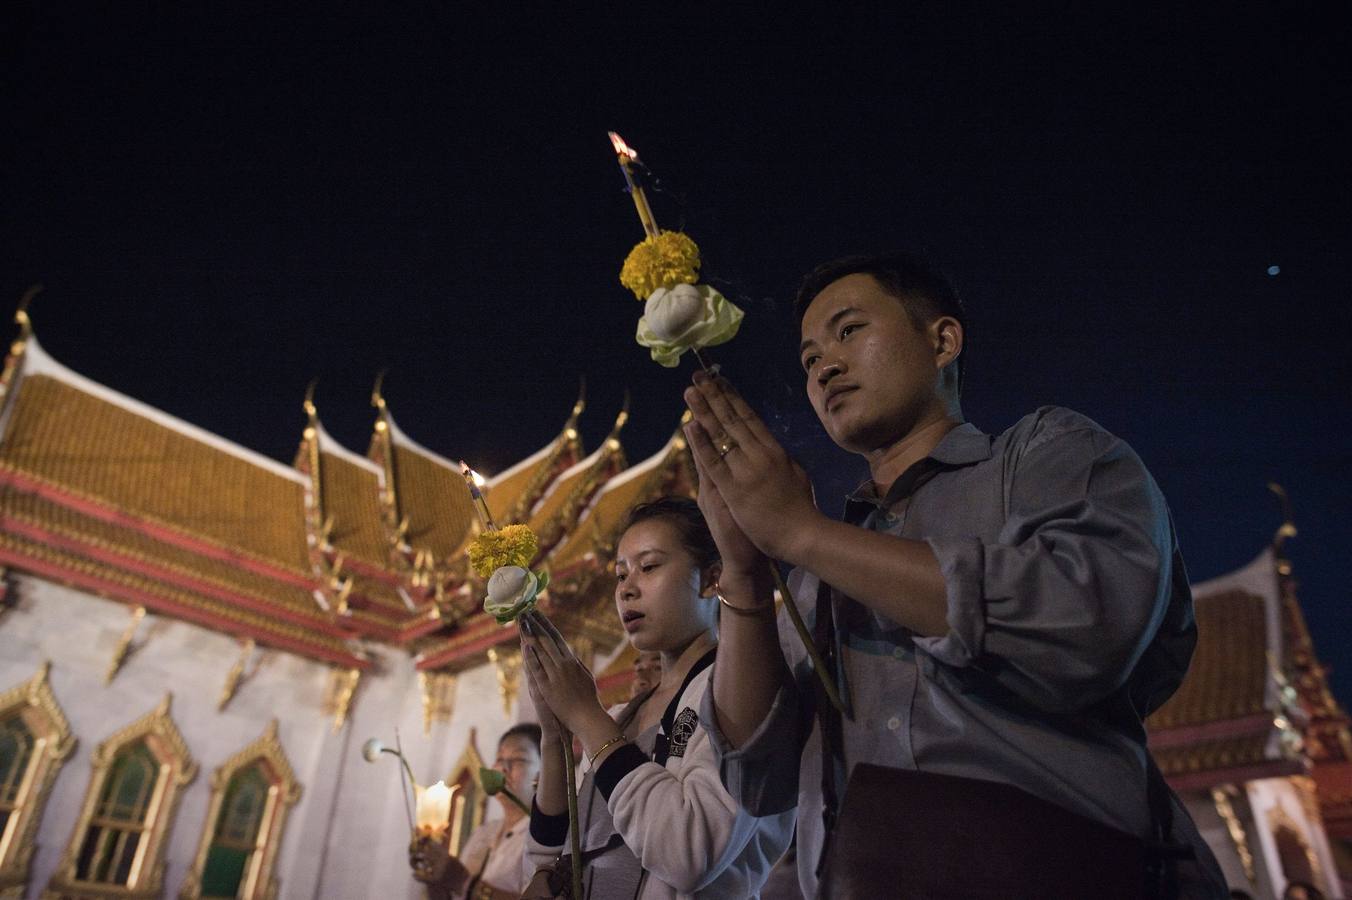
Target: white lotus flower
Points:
(687, 315)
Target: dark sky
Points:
(225, 203)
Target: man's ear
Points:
(947, 338)
(708, 585)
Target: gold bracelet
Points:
(617, 739)
(753, 611)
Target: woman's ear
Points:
(708, 585)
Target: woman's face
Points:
(663, 599)
(519, 760)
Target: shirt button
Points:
(893, 723)
(898, 653)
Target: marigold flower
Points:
(514, 545)
(664, 261)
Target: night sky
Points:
(225, 204)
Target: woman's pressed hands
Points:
(560, 686)
(768, 495)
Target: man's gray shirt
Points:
(1070, 619)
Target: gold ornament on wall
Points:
(438, 697)
(1222, 796)
(235, 676)
(507, 663)
(338, 699)
(124, 647)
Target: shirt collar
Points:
(962, 446)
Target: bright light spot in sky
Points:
(1274, 270)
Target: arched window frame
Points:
(177, 770)
(53, 743)
(283, 793)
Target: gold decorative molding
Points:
(284, 791)
(438, 697)
(33, 702)
(1221, 797)
(507, 663)
(236, 674)
(1279, 820)
(176, 769)
(338, 699)
(19, 345)
(124, 648)
(470, 801)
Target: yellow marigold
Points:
(514, 545)
(665, 261)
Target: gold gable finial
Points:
(1288, 527)
(622, 417)
(377, 395)
(580, 405)
(21, 317)
(309, 403)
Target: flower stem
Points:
(569, 764)
(517, 800)
(818, 666)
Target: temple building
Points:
(196, 641)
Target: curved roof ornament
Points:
(579, 406)
(309, 403)
(377, 395)
(23, 321)
(621, 418)
(1288, 527)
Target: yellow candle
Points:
(475, 481)
(627, 156)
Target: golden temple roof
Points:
(668, 471)
(92, 444)
(349, 491)
(1229, 675)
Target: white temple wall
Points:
(347, 837)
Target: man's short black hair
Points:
(922, 289)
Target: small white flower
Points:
(371, 750)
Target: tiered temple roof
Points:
(1255, 702)
(107, 494)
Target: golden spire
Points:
(378, 398)
(309, 403)
(579, 406)
(25, 324)
(620, 419)
(1288, 527)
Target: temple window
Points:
(35, 741)
(114, 834)
(134, 789)
(250, 795)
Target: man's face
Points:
(872, 376)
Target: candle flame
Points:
(434, 807)
(621, 148)
(479, 480)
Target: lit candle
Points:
(434, 809)
(627, 156)
(475, 481)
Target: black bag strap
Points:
(1162, 851)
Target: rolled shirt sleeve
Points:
(1060, 608)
